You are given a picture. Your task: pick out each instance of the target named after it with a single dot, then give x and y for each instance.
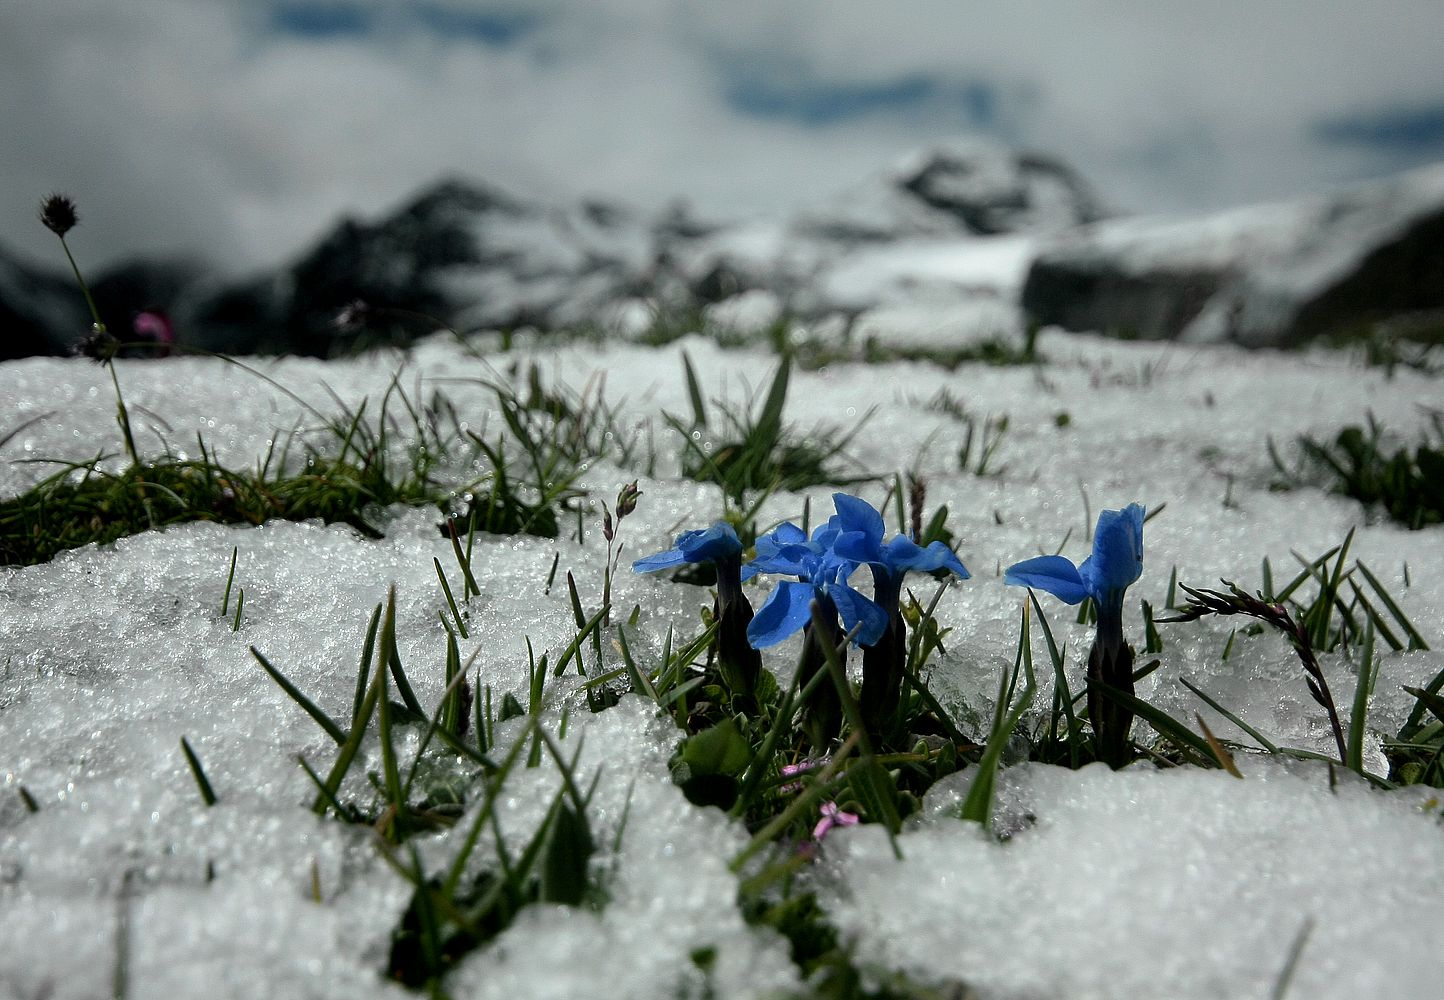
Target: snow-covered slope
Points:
(1140, 883)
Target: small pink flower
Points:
(799, 769)
(832, 816)
(155, 326)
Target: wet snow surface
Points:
(1142, 883)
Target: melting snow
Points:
(1140, 883)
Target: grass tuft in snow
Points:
(1407, 485)
(758, 452)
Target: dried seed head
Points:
(607, 531)
(57, 213)
(100, 345)
(917, 496)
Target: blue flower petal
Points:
(786, 610)
(702, 545)
(783, 550)
(902, 554)
(716, 542)
(855, 514)
(1117, 559)
(853, 609)
(1053, 574)
(662, 560)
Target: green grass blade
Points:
(1066, 699)
(769, 422)
(1375, 620)
(978, 805)
(208, 794)
(398, 672)
(1416, 641)
(230, 579)
(694, 392)
(311, 708)
(463, 559)
(363, 672)
(390, 769)
(450, 600)
(1253, 733)
(323, 789)
(1166, 726)
(1416, 715)
(353, 743)
(1363, 688)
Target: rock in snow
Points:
(1276, 275)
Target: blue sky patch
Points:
(323, 20)
(810, 103)
(326, 21)
(818, 103)
(1396, 130)
(490, 27)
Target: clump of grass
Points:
(999, 352)
(1416, 754)
(1331, 623)
(358, 468)
(1412, 344)
(758, 452)
(1204, 603)
(1407, 485)
(85, 503)
(982, 436)
(456, 910)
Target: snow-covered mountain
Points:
(949, 244)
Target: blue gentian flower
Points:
(739, 661)
(858, 536)
(703, 545)
(1116, 563)
(822, 576)
(822, 579)
(859, 532)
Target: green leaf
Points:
(874, 788)
(978, 805)
(207, 793)
(721, 749)
(568, 851)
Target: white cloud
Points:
(187, 127)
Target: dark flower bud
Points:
(627, 499)
(57, 212)
(917, 496)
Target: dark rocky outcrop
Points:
(40, 311)
(1277, 275)
(43, 312)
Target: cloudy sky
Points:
(236, 130)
